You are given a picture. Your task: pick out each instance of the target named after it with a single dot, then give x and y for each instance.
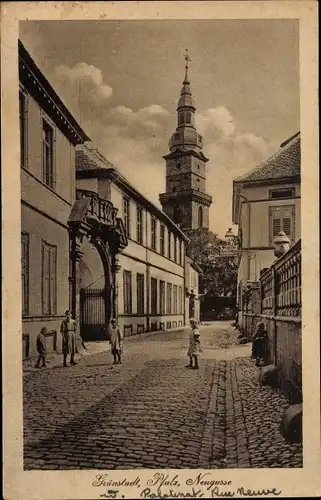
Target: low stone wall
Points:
(289, 357)
(284, 350)
(248, 323)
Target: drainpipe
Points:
(73, 272)
(248, 239)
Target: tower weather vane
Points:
(187, 60)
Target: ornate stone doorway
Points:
(96, 237)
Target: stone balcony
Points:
(98, 209)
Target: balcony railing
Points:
(99, 209)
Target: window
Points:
(162, 240)
(47, 154)
(180, 299)
(49, 279)
(127, 292)
(25, 273)
(169, 299)
(180, 253)
(126, 215)
(188, 117)
(282, 193)
(140, 294)
(139, 225)
(180, 118)
(175, 299)
(23, 127)
(169, 245)
(162, 297)
(153, 234)
(175, 249)
(176, 137)
(153, 296)
(200, 216)
(282, 219)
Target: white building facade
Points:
(151, 268)
(266, 201)
(48, 136)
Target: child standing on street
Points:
(41, 347)
(194, 345)
(116, 341)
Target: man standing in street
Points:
(68, 331)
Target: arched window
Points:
(200, 217)
(188, 116)
(180, 118)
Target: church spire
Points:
(185, 200)
(186, 136)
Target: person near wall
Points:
(68, 331)
(116, 341)
(194, 345)
(41, 347)
(259, 343)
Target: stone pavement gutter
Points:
(243, 420)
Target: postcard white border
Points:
(19, 484)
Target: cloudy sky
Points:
(121, 80)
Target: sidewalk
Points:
(53, 359)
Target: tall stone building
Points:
(185, 200)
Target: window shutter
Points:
(276, 226)
(53, 281)
(286, 226)
(45, 280)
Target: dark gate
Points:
(94, 313)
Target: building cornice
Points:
(179, 153)
(40, 89)
(269, 182)
(189, 194)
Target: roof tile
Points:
(286, 162)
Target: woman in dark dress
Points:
(259, 344)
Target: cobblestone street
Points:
(152, 412)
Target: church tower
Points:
(185, 200)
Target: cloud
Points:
(135, 140)
(231, 153)
(215, 123)
(84, 88)
(88, 78)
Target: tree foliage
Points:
(219, 273)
